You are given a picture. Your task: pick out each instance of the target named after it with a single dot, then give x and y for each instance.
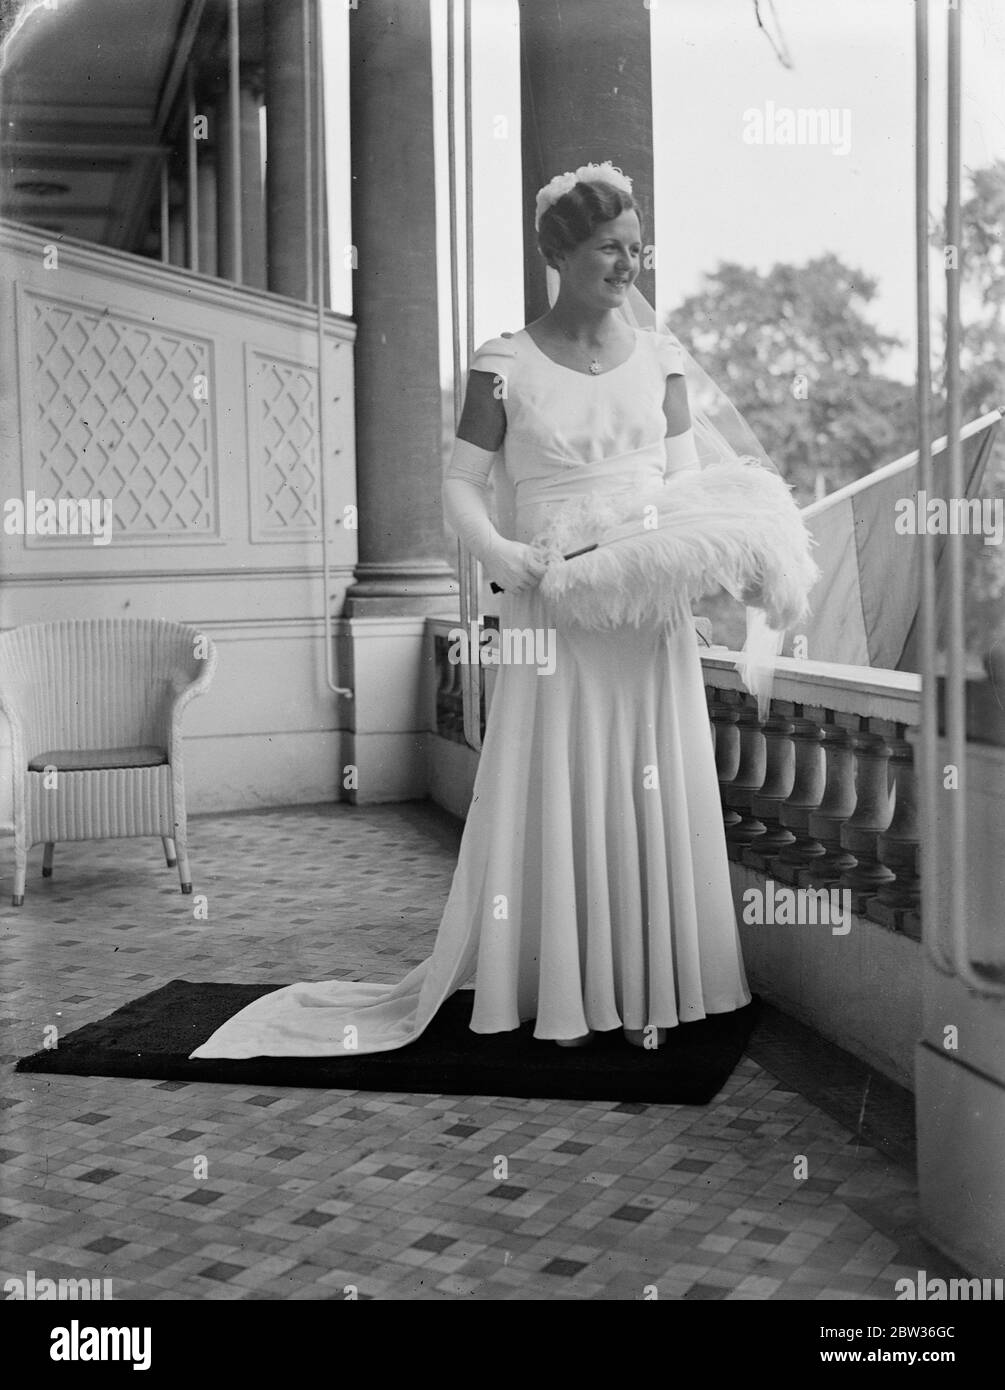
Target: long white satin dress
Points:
(592, 888)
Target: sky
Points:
(719, 195)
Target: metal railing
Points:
(468, 572)
(954, 957)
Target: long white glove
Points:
(681, 452)
(510, 564)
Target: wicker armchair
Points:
(95, 710)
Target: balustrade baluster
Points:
(824, 795)
(898, 903)
(449, 711)
(747, 782)
(724, 713)
(872, 814)
(780, 760)
(836, 806)
(807, 793)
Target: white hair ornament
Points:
(562, 184)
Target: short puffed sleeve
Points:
(671, 358)
(495, 356)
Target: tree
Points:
(798, 356)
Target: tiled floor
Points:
(233, 1192)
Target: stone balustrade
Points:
(449, 682)
(822, 793)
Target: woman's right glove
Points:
(511, 565)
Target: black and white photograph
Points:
(502, 668)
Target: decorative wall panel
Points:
(283, 440)
(116, 408)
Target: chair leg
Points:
(170, 854)
(47, 854)
(184, 873)
(20, 874)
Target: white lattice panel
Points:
(122, 410)
(282, 403)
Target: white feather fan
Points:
(732, 524)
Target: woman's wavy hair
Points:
(574, 217)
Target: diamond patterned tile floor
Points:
(178, 1191)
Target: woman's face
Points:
(599, 270)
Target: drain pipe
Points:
(319, 287)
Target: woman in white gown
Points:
(592, 889)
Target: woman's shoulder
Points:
(496, 355)
(666, 350)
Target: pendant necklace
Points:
(595, 364)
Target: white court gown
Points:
(592, 888)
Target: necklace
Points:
(595, 364)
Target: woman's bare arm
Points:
(483, 419)
(679, 445)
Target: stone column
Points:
(289, 114)
(207, 214)
(252, 196)
(398, 433)
(586, 96)
(252, 189)
(226, 229)
(176, 235)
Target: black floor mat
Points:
(152, 1037)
